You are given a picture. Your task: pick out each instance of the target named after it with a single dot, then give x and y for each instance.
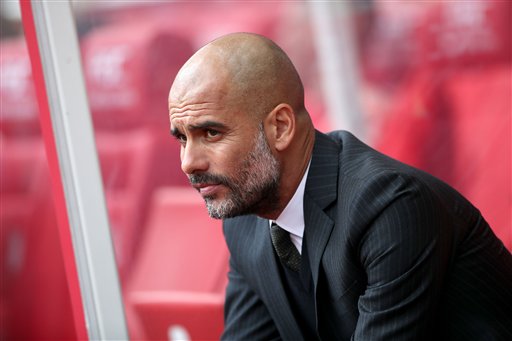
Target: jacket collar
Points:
(321, 191)
(322, 181)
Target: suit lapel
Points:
(269, 280)
(317, 233)
(321, 190)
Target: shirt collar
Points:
(292, 217)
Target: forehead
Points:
(198, 89)
(204, 89)
(196, 86)
(202, 75)
(198, 102)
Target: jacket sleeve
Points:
(405, 253)
(245, 315)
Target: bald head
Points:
(245, 70)
(237, 109)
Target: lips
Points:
(206, 189)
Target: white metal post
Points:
(81, 177)
(338, 64)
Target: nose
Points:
(193, 159)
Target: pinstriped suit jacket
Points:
(395, 254)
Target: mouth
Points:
(206, 189)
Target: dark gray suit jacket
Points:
(395, 254)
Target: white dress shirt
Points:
(292, 217)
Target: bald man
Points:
(329, 239)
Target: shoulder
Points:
(366, 167)
(359, 160)
(370, 182)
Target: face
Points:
(226, 157)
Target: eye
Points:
(181, 138)
(211, 133)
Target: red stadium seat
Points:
(466, 33)
(458, 128)
(19, 111)
(167, 170)
(403, 40)
(481, 141)
(127, 160)
(35, 299)
(452, 115)
(178, 316)
(417, 130)
(180, 275)
(128, 70)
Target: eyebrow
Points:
(203, 125)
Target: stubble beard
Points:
(253, 190)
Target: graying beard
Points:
(263, 163)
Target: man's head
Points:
(237, 108)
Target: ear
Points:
(281, 125)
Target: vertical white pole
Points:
(78, 161)
(338, 64)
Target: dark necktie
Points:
(284, 247)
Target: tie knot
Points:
(284, 247)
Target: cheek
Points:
(223, 162)
(228, 160)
